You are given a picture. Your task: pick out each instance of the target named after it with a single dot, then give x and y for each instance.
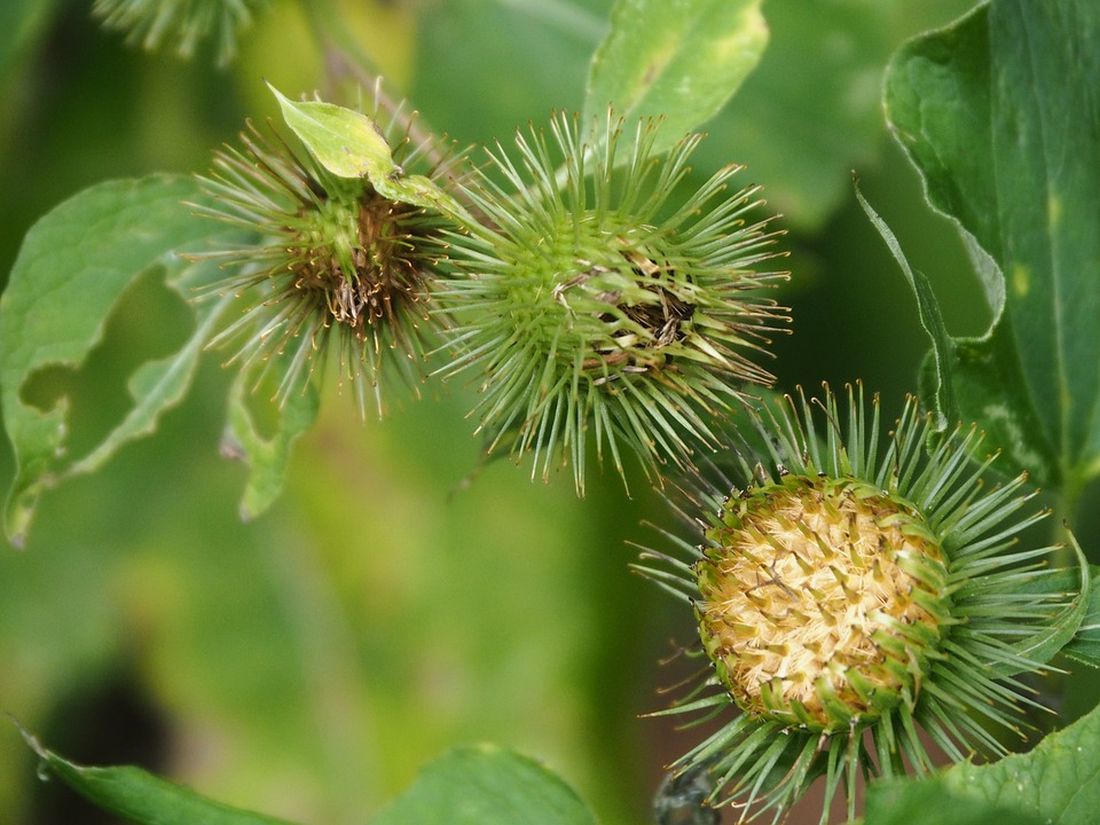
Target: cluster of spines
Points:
(966, 693)
(336, 260)
(583, 304)
(152, 22)
(586, 301)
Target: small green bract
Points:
(848, 597)
(593, 298)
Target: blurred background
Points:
(308, 663)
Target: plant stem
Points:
(344, 58)
(1065, 517)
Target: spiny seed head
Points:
(336, 264)
(819, 599)
(150, 23)
(851, 588)
(595, 299)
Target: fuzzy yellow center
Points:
(819, 600)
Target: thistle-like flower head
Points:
(333, 264)
(594, 299)
(856, 599)
(848, 595)
(150, 23)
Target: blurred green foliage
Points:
(308, 663)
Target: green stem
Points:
(331, 30)
(345, 58)
(1065, 518)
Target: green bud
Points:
(333, 265)
(597, 304)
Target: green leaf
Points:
(486, 785)
(930, 319)
(74, 265)
(1054, 784)
(349, 144)
(345, 142)
(157, 385)
(812, 111)
(266, 457)
(907, 803)
(680, 60)
(1000, 112)
(141, 797)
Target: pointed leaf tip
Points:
(942, 400)
(347, 143)
(351, 145)
(680, 62)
